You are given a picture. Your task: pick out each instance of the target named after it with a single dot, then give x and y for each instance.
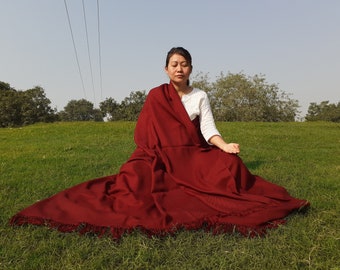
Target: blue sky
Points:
(294, 43)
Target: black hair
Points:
(180, 51)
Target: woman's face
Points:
(178, 69)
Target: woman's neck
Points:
(182, 89)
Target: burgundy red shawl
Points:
(173, 180)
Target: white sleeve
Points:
(207, 123)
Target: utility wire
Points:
(88, 52)
(99, 53)
(75, 49)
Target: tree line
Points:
(233, 97)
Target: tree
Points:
(237, 97)
(10, 106)
(36, 106)
(19, 108)
(5, 86)
(80, 110)
(110, 109)
(131, 106)
(324, 111)
(201, 81)
(127, 110)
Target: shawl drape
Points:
(173, 180)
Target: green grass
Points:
(40, 160)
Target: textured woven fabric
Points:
(173, 180)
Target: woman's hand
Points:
(231, 148)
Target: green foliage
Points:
(39, 160)
(132, 105)
(35, 106)
(110, 109)
(10, 112)
(5, 86)
(127, 110)
(80, 110)
(233, 97)
(19, 108)
(324, 111)
(237, 97)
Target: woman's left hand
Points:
(231, 148)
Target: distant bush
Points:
(324, 111)
(238, 97)
(19, 108)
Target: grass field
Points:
(39, 160)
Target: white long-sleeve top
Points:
(196, 104)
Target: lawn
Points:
(39, 160)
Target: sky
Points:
(292, 43)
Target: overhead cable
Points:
(75, 49)
(88, 52)
(99, 54)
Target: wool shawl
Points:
(173, 180)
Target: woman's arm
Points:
(231, 148)
(209, 130)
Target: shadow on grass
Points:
(252, 165)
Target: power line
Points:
(88, 52)
(99, 53)
(75, 49)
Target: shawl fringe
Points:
(207, 225)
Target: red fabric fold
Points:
(173, 180)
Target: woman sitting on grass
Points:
(182, 175)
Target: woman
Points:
(178, 66)
(182, 174)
